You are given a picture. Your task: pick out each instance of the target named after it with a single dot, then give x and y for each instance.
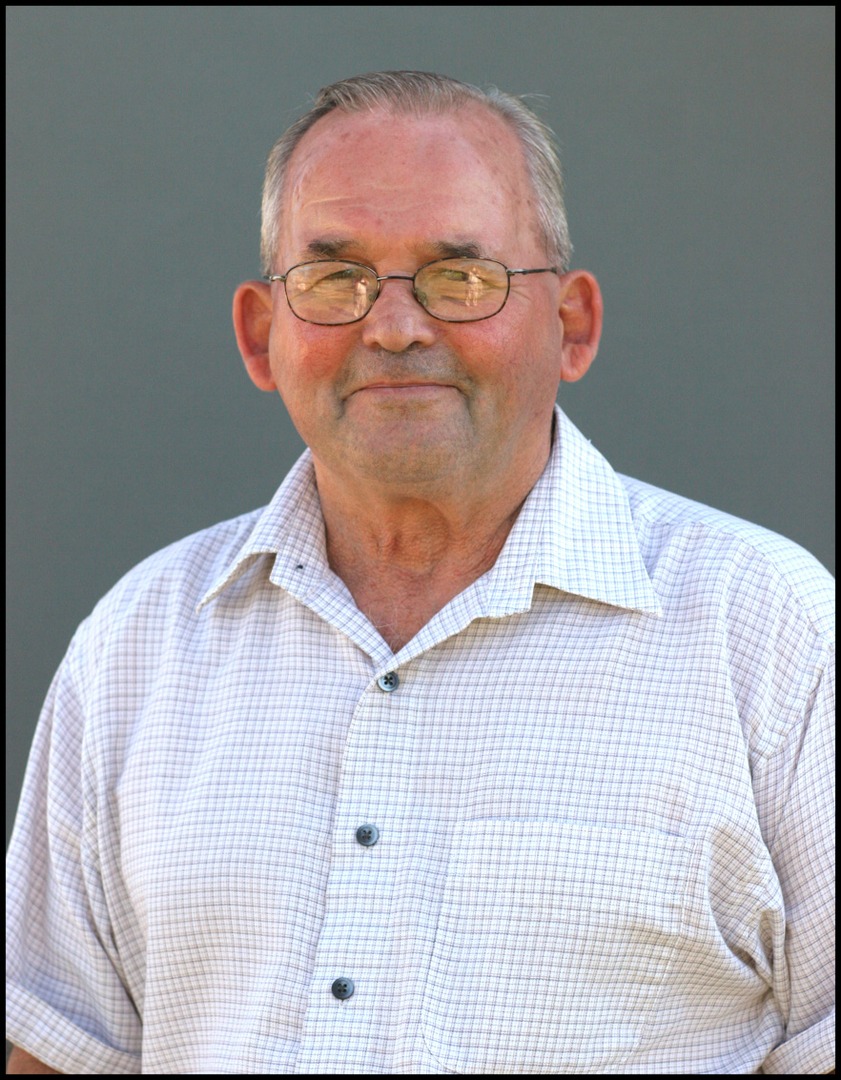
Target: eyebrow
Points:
(328, 248)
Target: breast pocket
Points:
(553, 944)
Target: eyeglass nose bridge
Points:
(397, 277)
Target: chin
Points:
(401, 469)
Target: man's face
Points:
(400, 398)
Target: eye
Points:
(469, 281)
(338, 276)
(350, 273)
(457, 275)
(468, 276)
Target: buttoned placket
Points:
(352, 971)
(357, 985)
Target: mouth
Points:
(417, 394)
(405, 387)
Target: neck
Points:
(416, 539)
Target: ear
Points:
(581, 311)
(252, 326)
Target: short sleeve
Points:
(67, 1003)
(803, 854)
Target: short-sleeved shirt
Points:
(580, 823)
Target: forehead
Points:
(385, 178)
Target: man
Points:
(466, 754)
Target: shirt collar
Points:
(575, 532)
(291, 528)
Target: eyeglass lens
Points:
(457, 290)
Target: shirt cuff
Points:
(37, 1028)
(809, 1053)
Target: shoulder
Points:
(690, 543)
(163, 591)
(190, 565)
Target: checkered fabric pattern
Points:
(601, 786)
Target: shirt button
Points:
(367, 835)
(342, 988)
(388, 682)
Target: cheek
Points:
(526, 357)
(304, 355)
(538, 333)
(515, 352)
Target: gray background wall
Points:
(699, 154)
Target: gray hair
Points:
(426, 92)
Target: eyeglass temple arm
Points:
(541, 270)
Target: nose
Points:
(397, 320)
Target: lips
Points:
(404, 391)
(390, 377)
(402, 385)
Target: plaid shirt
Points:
(596, 788)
